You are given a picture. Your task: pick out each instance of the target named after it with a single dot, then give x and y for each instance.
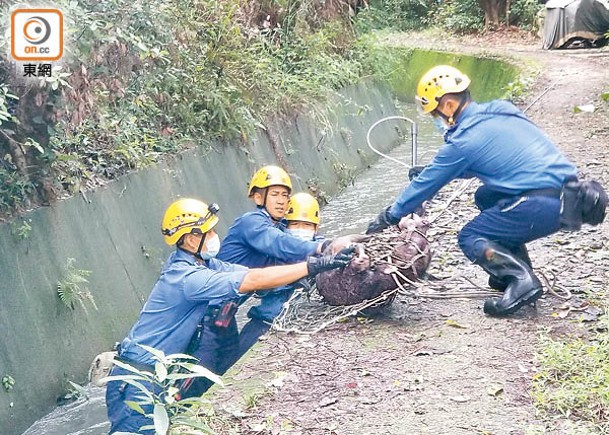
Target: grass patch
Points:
(573, 379)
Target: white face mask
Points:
(302, 233)
(213, 246)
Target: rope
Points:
(414, 142)
(307, 313)
(464, 186)
(540, 95)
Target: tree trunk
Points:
(492, 11)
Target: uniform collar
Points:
(181, 255)
(471, 108)
(281, 224)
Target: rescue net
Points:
(307, 313)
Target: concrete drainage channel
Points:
(121, 221)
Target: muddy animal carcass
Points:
(400, 254)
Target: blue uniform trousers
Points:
(220, 348)
(215, 352)
(510, 221)
(271, 304)
(261, 317)
(122, 418)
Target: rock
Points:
(100, 368)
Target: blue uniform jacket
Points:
(255, 240)
(177, 303)
(496, 143)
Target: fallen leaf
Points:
(459, 399)
(259, 427)
(235, 412)
(419, 337)
(586, 108)
(332, 426)
(279, 380)
(494, 390)
(365, 320)
(430, 351)
(455, 324)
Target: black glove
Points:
(316, 265)
(382, 221)
(343, 242)
(415, 171)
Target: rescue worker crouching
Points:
(192, 287)
(522, 173)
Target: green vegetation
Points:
(462, 16)
(517, 89)
(456, 16)
(160, 389)
(75, 392)
(72, 288)
(22, 231)
(524, 14)
(573, 379)
(400, 15)
(251, 399)
(8, 382)
(148, 78)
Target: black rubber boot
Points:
(501, 284)
(496, 283)
(523, 287)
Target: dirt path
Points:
(442, 366)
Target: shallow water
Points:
(377, 187)
(83, 417)
(347, 213)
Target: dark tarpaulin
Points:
(569, 19)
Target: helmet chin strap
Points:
(266, 192)
(451, 120)
(198, 253)
(263, 205)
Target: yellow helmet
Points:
(303, 207)
(437, 82)
(269, 176)
(185, 215)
